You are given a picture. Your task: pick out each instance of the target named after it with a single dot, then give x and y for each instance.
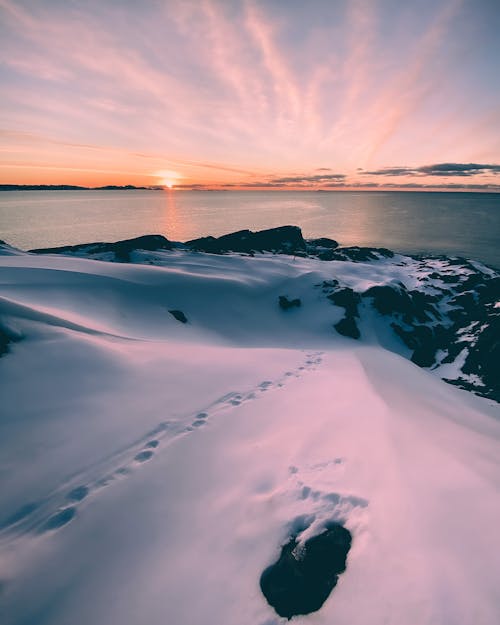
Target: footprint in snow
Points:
(20, 514)
(144, 456)
(78, 494)
(81, 492)
(198, 423)
(59, 519)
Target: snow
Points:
(186, 454)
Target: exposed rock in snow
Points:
(121, 249)
(282, 240)
(347, 327)
(286, 304)
(179, 315)
(304, 576)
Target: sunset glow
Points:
(168, 178)
(251, 95)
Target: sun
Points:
(168, 179)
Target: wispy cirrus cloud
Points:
(228, 93)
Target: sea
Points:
(464, 224)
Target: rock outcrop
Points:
(120, 249)
(282, 240)
(301, 580)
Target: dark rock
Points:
(396, 299)
(471, 283)
(448, 278)
(423, 340)
(282, 240)
(347, 327)
(347, 299)
(299, 583)
(241, 241)
(285, 239)
(327, 285)
(121, 249)
(464, 304)
(323, 242)
(489, 291)
(327, 255)
(483, 358)
(205, 244)
(390, 299)
(357, 254)
(286, 303)
(179, 315)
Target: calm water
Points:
(450, 223)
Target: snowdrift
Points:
(152, 469)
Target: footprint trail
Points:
(63, 504)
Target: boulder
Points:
(325, 242)
(356, 254)
(389, 299)
(179, 315)
(347, 299)
(347, 327)
(285, 303)
(301, 580)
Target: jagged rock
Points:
(121, 249)
(283, 240)
(347, 299)
(423, 340)
(356, 254)
(205, 244)
(347, 327)
(483, 358)
(301, 580)
(323, 242)
(179, 315)
(321, 247)
(389, 299)
(449, 279)
(286, 303)
(328, 285)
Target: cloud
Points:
(390, 171)
(316, 178)
(439, 169)
(458, 169)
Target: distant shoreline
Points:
(68, 187)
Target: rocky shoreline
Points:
(448, 321)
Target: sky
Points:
(248, 94)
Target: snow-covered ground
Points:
(150, 469)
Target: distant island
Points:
(71, 187)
